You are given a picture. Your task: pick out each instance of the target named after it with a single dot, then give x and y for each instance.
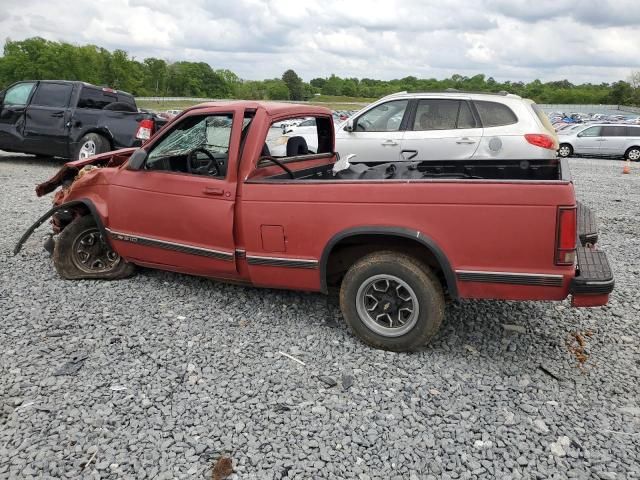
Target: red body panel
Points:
(274, 234)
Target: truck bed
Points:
(509, 170)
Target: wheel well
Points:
(102, 133)
(631, 148)
(349, 250)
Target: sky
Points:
(520, 40)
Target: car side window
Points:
(18, 95)
(494, 114)
(52, 95)
(590, 132)
(94, 98)
(443, 114)
(614, 131)
(198, 145)
(386, 117)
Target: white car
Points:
(305, 128)
(607, 140)
(449, 125)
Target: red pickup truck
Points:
(205, 197)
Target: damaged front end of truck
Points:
(77, 187)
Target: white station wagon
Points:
(449, 125)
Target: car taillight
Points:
(541, 140)
(566, 236)
(145, 129)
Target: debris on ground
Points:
(73, 366)
(549, 370)
(290, 357)
(222, 469)
(577, 345)
(471, 349)
(512, 328)
(329, 381)
(347, 381)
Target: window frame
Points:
(19, 105)
(416, 103)
(581, 134)
(403, 120)
(96, 89)
(482, 124)
(623, 128)
(155, 145)
(46, 84)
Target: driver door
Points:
(177, 212)
(12, 115)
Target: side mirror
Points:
(137, 159)
(348, 127)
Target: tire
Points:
(565, 150)
(91, 144)
(80, 253)
(417, 298)
(633, 154)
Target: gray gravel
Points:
(175, 371)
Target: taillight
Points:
(566, 236)
(541, 140)
(145, 129)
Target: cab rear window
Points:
(494, 114)
(95, 99)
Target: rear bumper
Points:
(593, 281)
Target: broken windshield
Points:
(212, 132)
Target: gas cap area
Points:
(495, 144)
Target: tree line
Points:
(37, 58)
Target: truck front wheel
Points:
(91, 144)
(392, 301)
(81, 252)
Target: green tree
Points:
(277, 90)
(294, 85)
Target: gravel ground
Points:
(172, 372)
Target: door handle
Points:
(57, 114)
(409, 154)
(601, 140)
(389, 143)
(465, 141)
(213, 191)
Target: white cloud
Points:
(590, 40)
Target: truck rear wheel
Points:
(392, 301)
(91, 144)
(81, 252)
